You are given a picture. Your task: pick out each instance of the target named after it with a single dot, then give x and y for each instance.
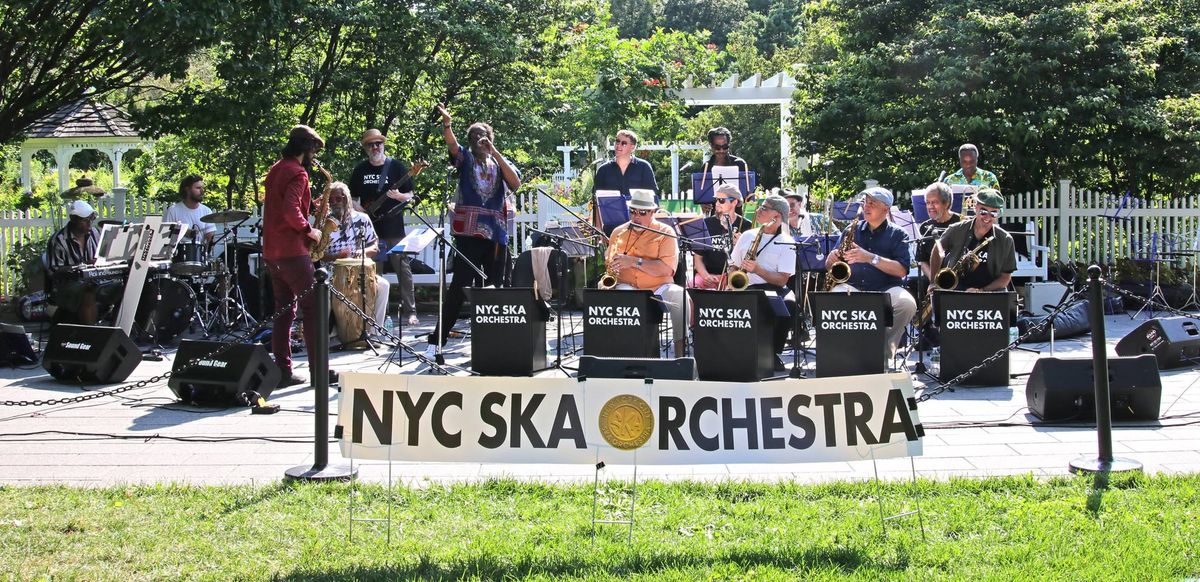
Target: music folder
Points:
(704, 184)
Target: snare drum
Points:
(190, 258)
(346, 276)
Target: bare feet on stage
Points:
(413, 319)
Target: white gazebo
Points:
(83, 125)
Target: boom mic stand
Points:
(361, 242)
(685, 245)
(560, 308)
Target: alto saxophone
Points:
(609, 279)
(737, 279)
(321, 217)
(839, 272)
(947, 277)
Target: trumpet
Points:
(737, 279)
(947, 277)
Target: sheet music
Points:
(416, 240)
(118, 242)
(726, 175)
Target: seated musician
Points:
(879, 259)
(997, 260)
(354, 238)
(190, 209)
(73, 247)
(710, 263)
(773, 262)
(642, 258)
(938, 201)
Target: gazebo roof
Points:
(83, 119)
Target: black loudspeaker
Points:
(601, 367)
(90, 353)
(15, 349)
(222, 374)
(1061, 389)
(1175, 341)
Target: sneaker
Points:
(291, 380)
(430, 351)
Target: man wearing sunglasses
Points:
(643, 254)
(369, 182)
(774, 261)
(720, 139)
(625, 172)
(879, 259)
(997, 260)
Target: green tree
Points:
(635, 18)
(53, 53)
(1092, 91)
(718, 17)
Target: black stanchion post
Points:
(318, 361)
(1104, 462)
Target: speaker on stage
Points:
(15, 349)
(90, 353)
(601, 367)
(225, 378)
(1175, 341)
(1061, 389)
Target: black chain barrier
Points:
(384, 331)
(227, 345)
(1153, 304)
(1035, 328)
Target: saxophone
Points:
(609, 280)
(947, 277)
(737, 279)
(321, 217)
(839, 272)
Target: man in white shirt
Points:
(773, 262)
(190, 209)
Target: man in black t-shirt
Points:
(380, 185)
(938, 200)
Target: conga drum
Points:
(355, 279)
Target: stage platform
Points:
(146, 436)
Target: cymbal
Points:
(233, 215)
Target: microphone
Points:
(942, 176)
(686, 166)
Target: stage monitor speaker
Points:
(225, 378)
(15, 349)
(90, 354)
(1175, 341)
(1061, 389)
(601, 367)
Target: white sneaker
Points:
(430, 351)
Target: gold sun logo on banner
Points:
(626, 422)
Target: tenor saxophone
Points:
(839, 272)
(737, 279)
(321, 217)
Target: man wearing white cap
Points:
(75, 244)
(879, 259)
(643, 254)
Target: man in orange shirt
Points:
(643, 254)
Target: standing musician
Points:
(720, 140)
(997, 260)
(354, 238)
(286, 239)
(367, 183)
(774, 261)
(625, 172)
(725, 228)
(642, 258)
(481, 210)
(73, 246)
(190, 209)
(879, 259)
(969, 173)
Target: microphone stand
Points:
(361, 242)
(562, 289)
(685, 245)
(801, 302)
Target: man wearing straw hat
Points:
(643, 254)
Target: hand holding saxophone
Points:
(856, 254)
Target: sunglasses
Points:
(624, 143)
(726, 200)
(992, 213)
(636, 212)
(721, 147)
(375, 144)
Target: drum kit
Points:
(199, 288)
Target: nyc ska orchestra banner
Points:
(564, 420)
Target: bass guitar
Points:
(375, 209)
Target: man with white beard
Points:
(383, 176)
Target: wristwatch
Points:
(875, 260)
(639, 262)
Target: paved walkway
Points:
(146, 436)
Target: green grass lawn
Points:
(1138, 528)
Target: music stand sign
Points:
(851, 332)
(620, 323)
(973, 326)
(508, 331)
(732, 333)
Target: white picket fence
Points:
(1075, 224)
(1091, 227)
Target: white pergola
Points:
(83, 125)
